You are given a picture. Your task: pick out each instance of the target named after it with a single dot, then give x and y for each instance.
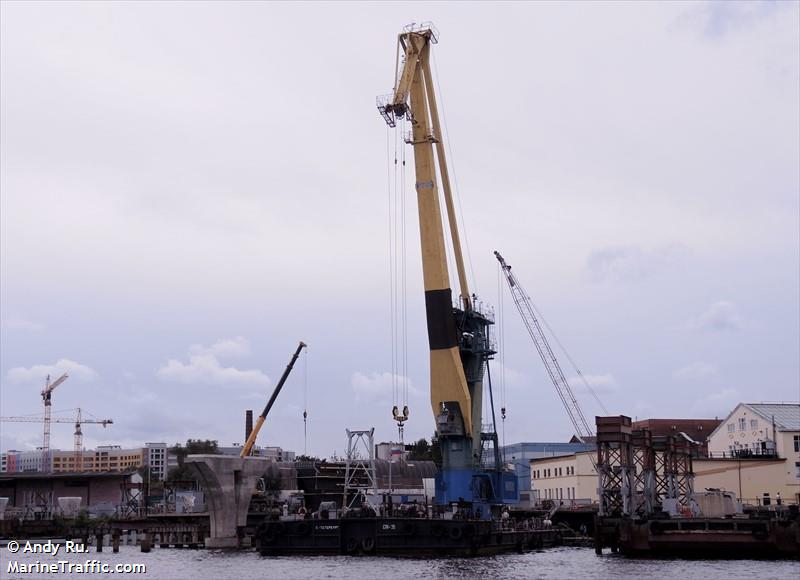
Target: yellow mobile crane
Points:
(457, 335)
(248, 446)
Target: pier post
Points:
(98, 538)
(115, 542)
(146, 542)
(229, 483)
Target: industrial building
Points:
(521, 454)
(277, 454)
(568, 479)
(754, 452)
(38, 493)
(104, 458)
(694, 430)
(13, 461)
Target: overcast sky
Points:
(190, 189)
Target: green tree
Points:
(421, 450)
(192, 447)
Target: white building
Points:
(759, 429)
(28, 461)
(389, 451)
(769, 431)
(157, 457)
(276, 454)
(566, 479)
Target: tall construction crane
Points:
(248, 446)
(47, 396)
(523, 303)
(457, 335)
(78, 438)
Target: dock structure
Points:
(229, 483)
(648, 504)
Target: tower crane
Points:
(525, 307)
(78, 439)
(47, 396)
(457, 335)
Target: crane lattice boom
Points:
(78, 432)
(523, 304)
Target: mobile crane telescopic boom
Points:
(248, 446)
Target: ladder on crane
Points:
(523, 303)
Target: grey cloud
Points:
(37, 374)
(204, 366)
(722, 316)
(695, 371)
(719, 19)
(631, 263)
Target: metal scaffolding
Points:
(639, 473)
(359, 473)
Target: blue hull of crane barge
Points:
(482, 489)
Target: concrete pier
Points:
(229, 483)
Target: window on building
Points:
(797, 469)
(731, 427)
(797, 443)
(742, 424)
(753, 424)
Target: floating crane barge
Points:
(416, 537)
(473, 489)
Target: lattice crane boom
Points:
(78, 421)
(523, 303)
(47, 395)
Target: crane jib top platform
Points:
(458, 336)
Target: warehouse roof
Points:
(787, 415)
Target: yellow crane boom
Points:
(413, 97)
(248, 446)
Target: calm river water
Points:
(174, 564)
